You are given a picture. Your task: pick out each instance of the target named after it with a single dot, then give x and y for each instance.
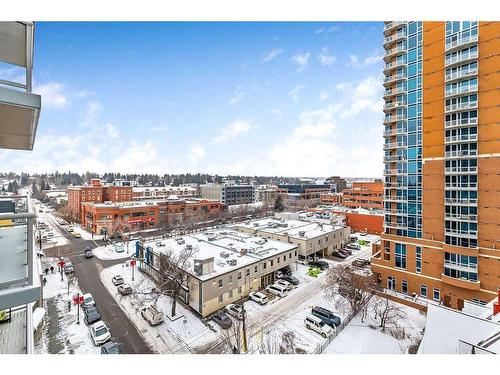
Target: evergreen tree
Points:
(278, 203)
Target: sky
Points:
(282, 98)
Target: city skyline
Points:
(226, 98)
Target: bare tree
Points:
(387, 312)
(172, 272)
(233, 337)
(356, 288)
(270, 343)
(288, 345)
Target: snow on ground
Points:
(108, 252)
(367, 338)
(50, 220)
(183, 335)
(59, 331)
(86, 235)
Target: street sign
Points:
(77, 300)
(132, 262)
(61, 263)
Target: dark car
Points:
(125, 289)
(110, 347)
(88, 253)
(326, 316)
(291, 279)
(339, 255)
(223, 320)
(286, 271)
(345, 251)
(322, 265)
(91, 315)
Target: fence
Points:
(321, 347)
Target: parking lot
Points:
(188, 333)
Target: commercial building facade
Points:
(161, 192)
(313, 239)
(96, 192)
(229, 193)
(369, 195)
(226, 266)
(119, 217)
(303, 191)
(442, 156)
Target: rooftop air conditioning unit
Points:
(231, 262)
(198, 267)
(189, 247)
(302, 233)
(255, 224)
(243, 251)
(223, 254)
(181, 241)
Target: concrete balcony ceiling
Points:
(19, 107)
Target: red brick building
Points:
(369, 195)
(95, 193)
(331, 198)
(137, 215)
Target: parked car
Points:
(99, 333)
(326, 316)
(152, 314)
(291, 279)
(363, 234)
(68, 268)
(359, 262)
(88, 253)
(346, 251)
(353, 246)
(223, 320)
(88, 300)
(316, 324)
(286, 271)
(235, 310)
(50, 234)
(258, 297)
(277, 290)
(279, 274)
(160, 244)
(354, 239)
(117, 280)
(91, 315)
(322, 265)
(284, 283)
(339, 255)
(77, 235)
(110, 347)
(124, 289)
(70, 229)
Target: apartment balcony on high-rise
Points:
(19, 107)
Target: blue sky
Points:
(292, 99)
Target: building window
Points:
(239, 290)
(418, 257)
(272, 263)
(423, 290)
(221, 298)
(404, 287)
(391, 283)
(278, 260)
(239, 275)
(400, 255)
(248, 271)
(230, 294)
(436, 295)
(230, 279)
(264, 265)
(255, 269)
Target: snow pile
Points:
(109, 253)
(38, 315)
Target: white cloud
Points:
(363, 95)
(353, 61)
(53, 95)
(325, 58)
(327, 29)
(323, 95)
(294, 93)
(197, 152)
(301, 60)
(233, 130)
(373, 59)
(270, 55)
(237, 96)
(112, 130)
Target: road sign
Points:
(132, 262)
(61, 263)
(77, 299)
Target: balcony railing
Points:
(460, 90)
(462, 41)
(394, 105)
(394, 91)
(461, 74)
(461, 58)
(460, 233)
(392, 132)
(461, 201)
(388, 146)
(461, 138)
(460, 154)
(394, 78)
(390, 25)
(398, 198)
(395, 118)
(461, 217)
(460, 122)
(459, 186)
(395, 50)
(460, 106)
(459, 170)
(394, 38)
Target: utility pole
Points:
(244, 343)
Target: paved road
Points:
(87, 272)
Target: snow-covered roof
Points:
(294, 228)
(235, 246)
(445, 327)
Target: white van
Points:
(152, 314)
(316, 324)
(277, 289)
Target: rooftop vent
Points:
(231, 262)
(181, 241)
(302, 233)
(255, 224)
(223, 254)
(189, 247)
